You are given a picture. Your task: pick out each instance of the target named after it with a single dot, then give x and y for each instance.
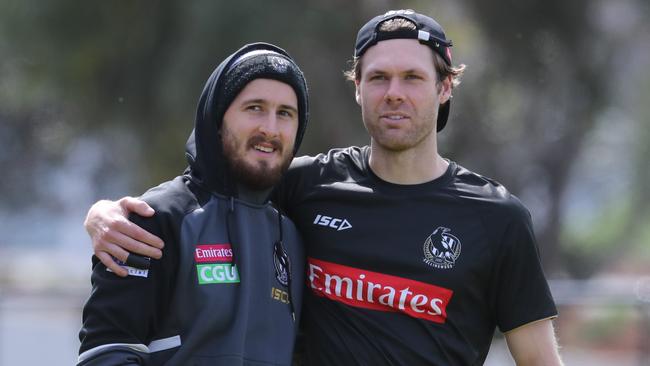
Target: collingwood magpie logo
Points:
(281, 264)
(441, 249)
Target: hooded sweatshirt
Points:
(228, 288)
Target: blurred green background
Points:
(97, 100)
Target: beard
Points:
(397, 143)
(421, 126)
(257, 176)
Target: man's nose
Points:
(395, 91)
(269, 124)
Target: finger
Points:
(134, 246)
(138, 234)
(108, 261)
(135, 205)
(115, 251)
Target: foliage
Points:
(126, 76)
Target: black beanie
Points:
(266, 64)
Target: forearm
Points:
(534, 344)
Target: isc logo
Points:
(334, 223)
(279, 295)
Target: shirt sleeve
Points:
(522, 292)
(286, 194)
(121, 315)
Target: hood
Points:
(204, 150)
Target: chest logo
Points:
(281, 264)
(332, 222)
(366, 289)
(441, 249)
(214, 264)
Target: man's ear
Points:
(357, 93)
(444, 92)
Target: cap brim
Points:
(443, 114)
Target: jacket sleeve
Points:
(121, 315)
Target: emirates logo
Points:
(366, 289)
(441, 249)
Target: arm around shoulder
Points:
(114, 236)
(534, 344)
(122, 314)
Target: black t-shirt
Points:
(410, 274)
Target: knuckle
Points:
(115, 223)
(103, 236)
(99, 246)
(123, 256)
(124, 202)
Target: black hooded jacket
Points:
(228, 288)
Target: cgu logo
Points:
(334, 223)
(217, 273)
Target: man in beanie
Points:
(412, 259)
(229, 288)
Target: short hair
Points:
(397, 24)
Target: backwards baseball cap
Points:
(427, 32)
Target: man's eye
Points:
(254, 108)
(378, 77)
(286, 113)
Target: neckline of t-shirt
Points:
(437, 182)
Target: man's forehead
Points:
(398, 55)
(267, 85)
(269, 90)
(399, 49)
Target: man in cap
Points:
(411, 258)
(229, 288)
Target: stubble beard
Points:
(423, 125)
(259, 176)
(406, 140)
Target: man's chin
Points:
(260, 177)
(256, 173)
